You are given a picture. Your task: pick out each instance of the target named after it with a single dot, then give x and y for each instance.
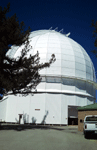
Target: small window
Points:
(37, 109)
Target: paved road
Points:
(60, 138)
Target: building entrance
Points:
(72, 115)
(72, 121)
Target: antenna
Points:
(61, 30)
(68, 34)
(56, 28)
(50, 28)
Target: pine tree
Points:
(17, 75)
(94, 25)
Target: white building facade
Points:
(68, 83)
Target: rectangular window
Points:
(91, 118)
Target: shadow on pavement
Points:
(25, 127)
(72, 128)
(92, 137)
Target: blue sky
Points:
(73, 16)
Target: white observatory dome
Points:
(68, 83)
(71, 58)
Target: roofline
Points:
(88, 109)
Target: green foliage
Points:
(17, 75)
(94, 25)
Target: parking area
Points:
(45, 138)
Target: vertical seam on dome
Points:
(61, 54)
(84, 59)
(93, 71)
(73, 52)
(38, 39)
(74, 61)
(61, 78)
(47, 51)
(46, 69)
(92, 66)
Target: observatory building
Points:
(68, 83)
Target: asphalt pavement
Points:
(45, 138)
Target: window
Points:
(91, 118)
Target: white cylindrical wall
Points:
(3, 107)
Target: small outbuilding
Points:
(84, 111)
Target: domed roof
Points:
(71, 58)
